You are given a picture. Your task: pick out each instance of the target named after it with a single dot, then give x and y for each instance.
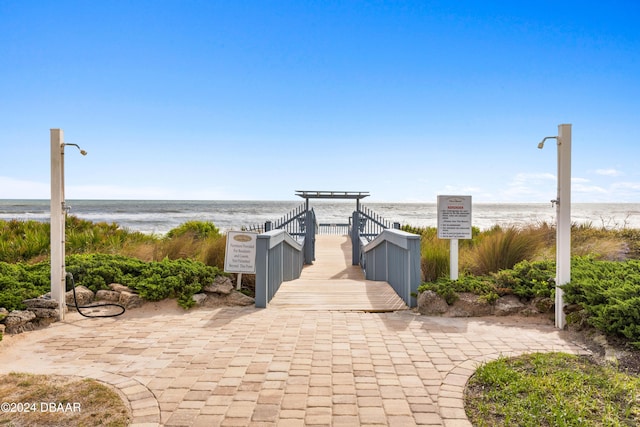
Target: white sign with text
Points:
(454, 217)
(240, 256)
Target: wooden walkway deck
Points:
(333, 284)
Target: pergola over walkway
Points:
(352, 195)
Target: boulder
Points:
(2, 328)
(52, 314)
(129, 300)
(3, 313)
(431, 304)
(238, 298)
(200, 299)
(18, 317)
(19, 321)
(84, 296)
(507, 305)
(40, 303)
(111, 296)
(543, 304)
(469, 305)
(117, 287)
(221, 285)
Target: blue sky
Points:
(222, 100)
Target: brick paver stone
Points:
(279, 367)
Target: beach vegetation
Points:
(499, 249)
(608, 296)
(55, 400)
(197, 229)
(153, 281)
(29, 241)
(551, 389)
(603, 294)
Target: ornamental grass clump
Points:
(500, 249)
(199, 240)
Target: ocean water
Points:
(160, 216)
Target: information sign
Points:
(240, 256)
(454, 217)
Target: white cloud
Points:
(533, 177)
(579, 180)
(459, 189)
(608, 172)
(11, 188)
(587, 189)
(527, 187)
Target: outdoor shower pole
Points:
(563, 218)
(563, 212)
(57, 220)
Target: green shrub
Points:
(174, 279)
(448, 289)
(197, 229)
(609, 292)
(22, 281)
(153, 281)
(528, 279)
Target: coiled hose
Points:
(78, 307)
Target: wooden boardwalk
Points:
(333, 284)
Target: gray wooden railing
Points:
(299, 223)
(293, 222)
(279, 258)
(394, 256)
(369, 225)
(339, 229)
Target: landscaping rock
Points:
(129, 300)
(221, 285)
(40, 303)
(431, 304)
(468, 305)
(200, 299)
(52, 314)
(543, 305)
(117, 287)
(84, 296)
(19, 321)
(235, 298)
(111, 296)
(507, 305)
(238, 298)
(3, 313)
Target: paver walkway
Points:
(275, 367)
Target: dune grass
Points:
(29, 241)
(499, 248)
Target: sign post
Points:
(454, 222)
(240, 254)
